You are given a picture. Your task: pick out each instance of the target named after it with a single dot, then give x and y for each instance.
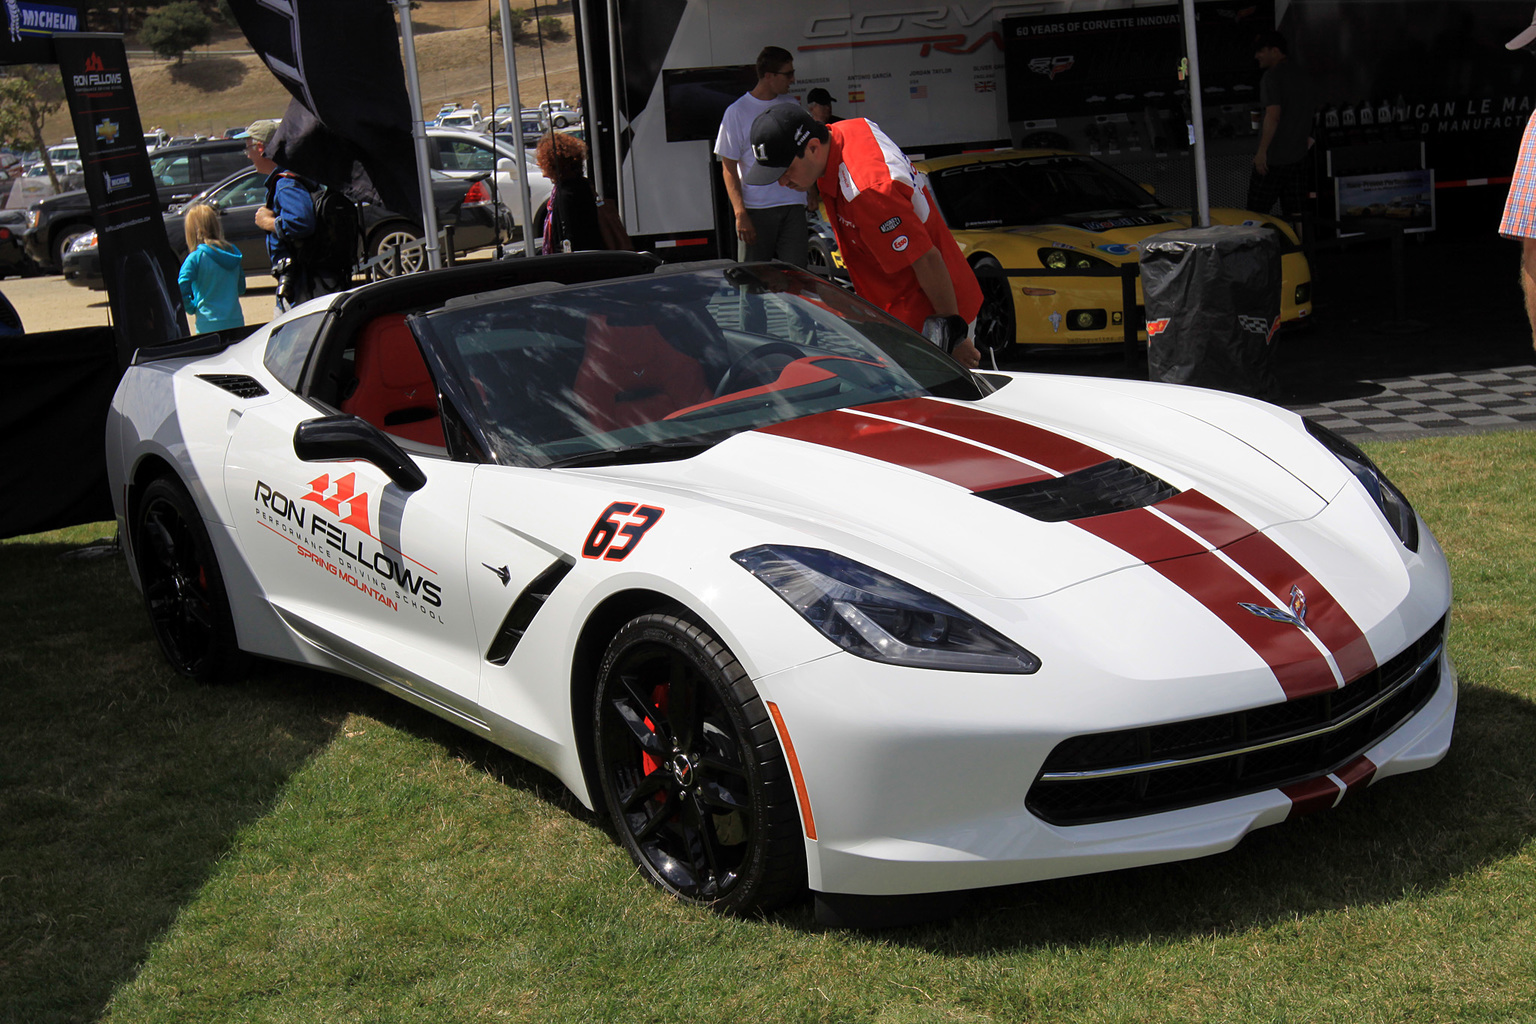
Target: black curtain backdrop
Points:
(55, 389)
(340, 60)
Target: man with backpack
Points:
(311, 242)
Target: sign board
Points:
(27, 37)
(136, 260)
(1385, 202)
(1127, 59)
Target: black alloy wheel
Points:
(995, 327)
(183, 588)
(691, 772)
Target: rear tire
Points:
(690, 769)
(183, 587)
(404, 262)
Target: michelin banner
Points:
(29, 29)
(136, 259)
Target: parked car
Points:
(1073, 222)
(180, 172)
(782, 591)
(14, 260)
(464, 205)
(465, 154)
(559, 114)
(463, 120)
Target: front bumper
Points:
(914, 791)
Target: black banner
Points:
(136, 259)
(29, 28)
(340, 60)
(1127, 59)
(55, 388)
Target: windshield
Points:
(1032, 190)
(613, 370)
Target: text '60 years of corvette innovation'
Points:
(737, 557)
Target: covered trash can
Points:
(1212, 298)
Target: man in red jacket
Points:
(896, 246)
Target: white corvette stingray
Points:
(780, 588)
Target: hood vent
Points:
(1112, 486)
(235, 383)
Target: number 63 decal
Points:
(610, 540)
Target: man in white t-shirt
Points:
(770, 219)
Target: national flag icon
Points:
(987, 85)
(919, 92)
(856, 96)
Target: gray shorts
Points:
(781, 235)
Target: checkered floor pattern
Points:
(1436, 403)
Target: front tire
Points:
(995, 324)
(690, 769)
(183, 587)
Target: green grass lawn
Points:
(303, 848)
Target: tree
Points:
(176, 28)
(29, 93)
(553, 28)
(520, 20)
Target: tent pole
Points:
(1197, 117)
(590, 91)
(515, 98)
(419, 132)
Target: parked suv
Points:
(181, 172)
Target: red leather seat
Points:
(394, 390)
(630, 375)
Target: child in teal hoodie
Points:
(211, 279)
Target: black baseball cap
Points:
(778, 136)
(819, 95)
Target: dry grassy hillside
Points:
(216, 89)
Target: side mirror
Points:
(329, 438)
(506, 165)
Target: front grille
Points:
(1111, 486)
(1112, 775)
(235, 383)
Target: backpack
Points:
(330, 253)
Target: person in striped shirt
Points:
(1520, 209)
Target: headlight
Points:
(1068, 260)
(33, 216)
(876, 616)
(1388, 498)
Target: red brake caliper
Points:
(649, 764)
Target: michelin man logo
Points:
(13, 16)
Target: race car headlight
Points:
(876, 616)
(1070, 259)
(1388, 498)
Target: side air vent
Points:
(235, 383)
(1112, 486)
(523, 610)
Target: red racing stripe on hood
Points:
(1036, 444)
(1299, 666)
(947, 458)
(1278, 572)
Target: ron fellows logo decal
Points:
(330, 527)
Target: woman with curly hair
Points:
(570, 217)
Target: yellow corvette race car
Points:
(1048, 232)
